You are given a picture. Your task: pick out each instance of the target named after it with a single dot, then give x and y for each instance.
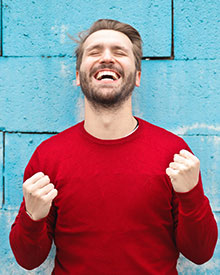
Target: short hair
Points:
(109, 24)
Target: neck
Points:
(109, 124)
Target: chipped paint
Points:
(216, 140)
(183, 130)
(63, 33)
(74, 83)
(64, 69)
(80, 109)
(187, 267)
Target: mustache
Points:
(107, 66)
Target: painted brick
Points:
(39, 94)
(19, 148)
(1, 169)
(179, 94)
(196, 29)
(1, 28)
(41, 27)
(207, 149)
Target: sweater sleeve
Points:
(31, 240)
(195, 226)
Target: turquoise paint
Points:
(38, 94)
(176, 93)
(41, 27)
(1, 169)
(196, 29)
(207, 149)
(18, 150)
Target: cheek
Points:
(87, 63)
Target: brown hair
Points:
(110, 24)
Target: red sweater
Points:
(116, 212)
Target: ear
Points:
(138, 78)
(77, 78)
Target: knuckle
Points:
(24, 186)
(44, 200)
(51, 185)
(177, 172)
(47, 179)
(54, 193)
(175, 157)
(40, 174)
(194, 165)
(38, 194)
(185, 169)
(28, 189)
(27, 182)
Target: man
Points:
(117, 194)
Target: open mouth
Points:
(107, 75)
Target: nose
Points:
(107, 57)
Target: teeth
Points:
(106, 73)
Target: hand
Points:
(184, 171)
(38, 194)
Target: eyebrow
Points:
(101, 46)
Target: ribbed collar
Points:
(133, 135)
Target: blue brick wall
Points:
(179, 89)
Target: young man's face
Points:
(107, 74)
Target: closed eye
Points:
(94, 52)
(120, 53)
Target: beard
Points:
(115, 95)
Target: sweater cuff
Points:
(30, 225)
(192, 200)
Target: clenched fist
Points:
(184, 171)
(38, 194)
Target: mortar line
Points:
(56, 132)
(157, 58)
(143, 58)
(199, 135)
(171, 57)
(1, 31)
(30, 132)
(172, 29)
(70, 56)
(3, 172)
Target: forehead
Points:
(108, 38)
